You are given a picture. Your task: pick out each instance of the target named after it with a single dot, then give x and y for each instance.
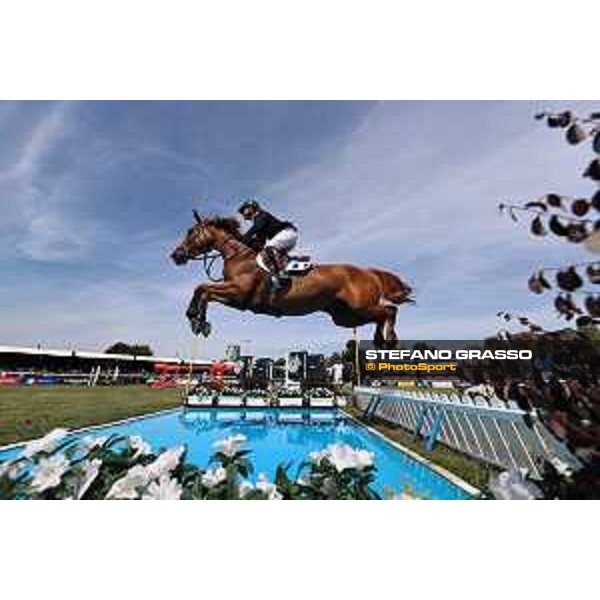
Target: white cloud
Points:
(36, 221)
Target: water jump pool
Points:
(280, 437)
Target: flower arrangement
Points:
(203, 391)
(201, 395)
(289, 393)
(258, 393)
(126, 468)
(258, 398)
(230, 391)
(284, 397)
(321, 392)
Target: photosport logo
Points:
(474, 359)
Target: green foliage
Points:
(132, 349)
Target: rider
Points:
(271, 235)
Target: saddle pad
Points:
(298, 266)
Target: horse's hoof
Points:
(195, 326)
(198, 327)
(205, 329)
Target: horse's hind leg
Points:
(391, 339)
(385, 319)
(379, 337)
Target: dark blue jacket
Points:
(264, 228)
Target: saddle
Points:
(292, 265)
(298, 265)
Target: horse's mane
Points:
(229, 224)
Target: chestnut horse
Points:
(350, 295)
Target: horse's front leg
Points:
(224, 292)
(196, 311)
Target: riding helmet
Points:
(253, 204)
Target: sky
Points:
(95, 195)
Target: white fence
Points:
(487, 429)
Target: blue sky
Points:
(94, 195)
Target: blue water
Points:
(276, 437)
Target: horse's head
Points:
(198, 240)
(203, 237)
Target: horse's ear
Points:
(196, 216)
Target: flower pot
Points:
(257, 401)
(291, 401)
(196, 400)
(226, 400)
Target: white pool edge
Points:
(451, 477)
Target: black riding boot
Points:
(278, 276)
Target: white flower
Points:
(562, 468)
(513, 485)
(342, 457)
(89, 442)
(91, 468)
(245, 488)
(230, 445)
(126, 487)
(139, 476)
(10, 469)
(267, 488)
(139, 445)
(48, 472)
(213, 477)
(317, 456)
(165, 489)
(329, 487)
(45, 444)
(165, 462)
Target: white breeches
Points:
(285, 240)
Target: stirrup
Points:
(279, 282)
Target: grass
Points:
(470, 470)
(29, 412)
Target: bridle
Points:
(209, 257)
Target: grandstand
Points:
(69, 366)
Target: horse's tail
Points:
(395, 291)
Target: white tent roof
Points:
(39, 351)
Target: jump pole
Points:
(195, 345)
(356, 360)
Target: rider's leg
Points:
(277, 247)
(285, 240)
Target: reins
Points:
(208, 261)
(209, 257)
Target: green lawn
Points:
(29, 412)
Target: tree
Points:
(567, 404)
(132, 349)
(575, 220)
